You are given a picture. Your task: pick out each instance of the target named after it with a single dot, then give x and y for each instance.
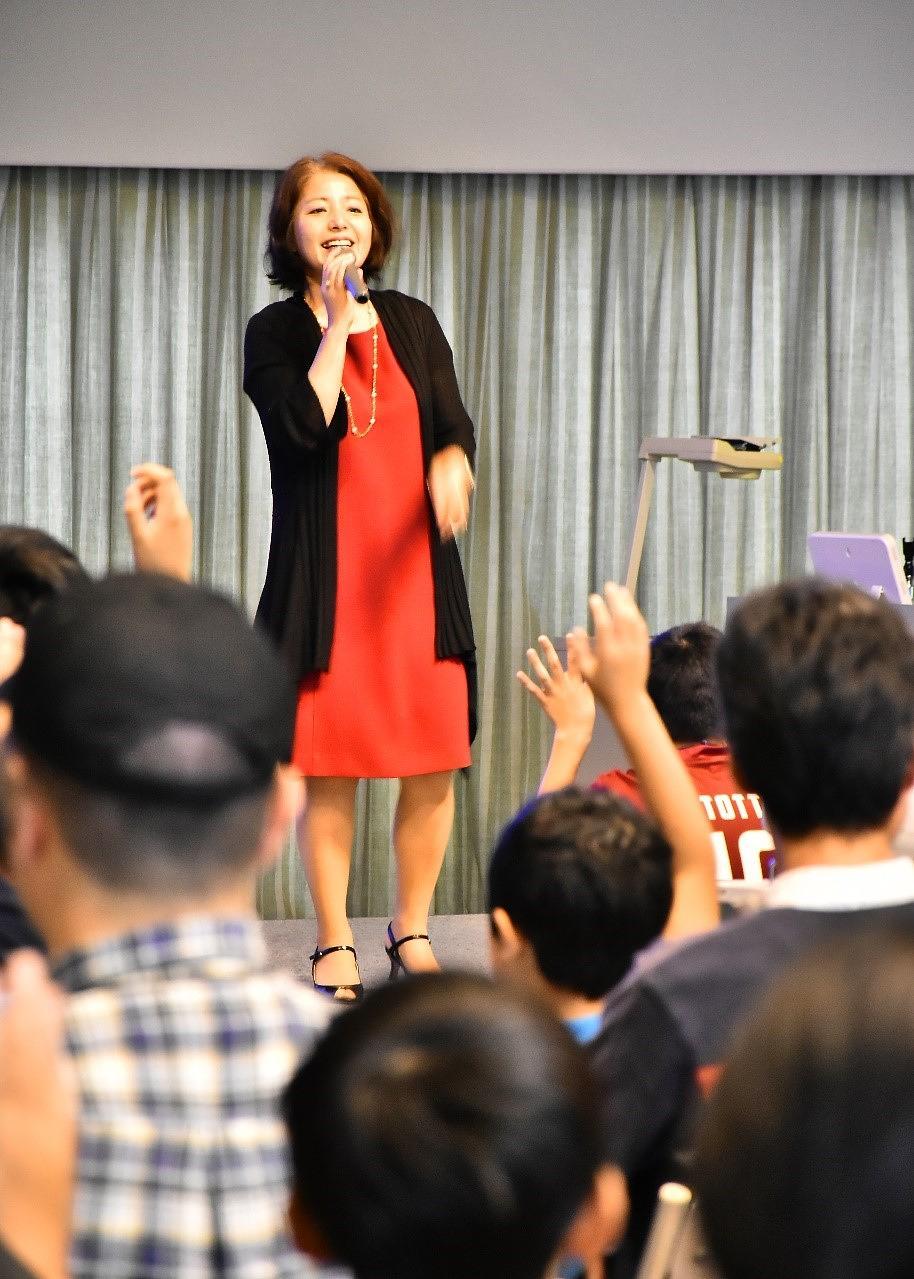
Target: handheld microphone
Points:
(356, 284)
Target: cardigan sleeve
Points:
(452, 424)
(276, 380)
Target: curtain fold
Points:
(585, 312)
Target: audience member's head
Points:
(682, 683)
(578, 882)
(817, 686)
(33, 568)
(148, 723)
(444, 1126)
(804, 1161)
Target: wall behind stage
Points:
(631, 86)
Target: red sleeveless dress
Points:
(387, 707)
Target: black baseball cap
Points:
(141, 685)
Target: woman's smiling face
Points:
(331, 218)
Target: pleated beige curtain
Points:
(585, 313)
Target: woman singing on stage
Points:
(370, 455)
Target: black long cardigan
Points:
(298, 602)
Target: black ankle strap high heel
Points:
(355, 989)
(397, 966)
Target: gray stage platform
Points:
(460, 941)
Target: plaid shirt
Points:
(182, 1041)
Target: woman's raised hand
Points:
(450, 483)
(340, 304)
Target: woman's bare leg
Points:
(325, 833)
(422, 827)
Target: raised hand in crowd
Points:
(37, 1120)
(616, 664)
(159, 522)
(567, 699)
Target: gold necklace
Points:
(354, 430)
(360, 435)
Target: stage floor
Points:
(460, 941)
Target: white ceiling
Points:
(468, 85)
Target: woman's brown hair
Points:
(284, 264)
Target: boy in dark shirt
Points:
(445, 1126)
(579, 881)
(817, 688)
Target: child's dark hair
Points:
(682, 682)
(817, 687)
(33, 567)
(444, 1126)
(587, 881)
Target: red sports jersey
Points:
(742, 845)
